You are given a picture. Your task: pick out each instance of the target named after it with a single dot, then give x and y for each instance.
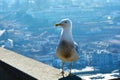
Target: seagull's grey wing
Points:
(76, 47)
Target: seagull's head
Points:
(64, 23)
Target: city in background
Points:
(27, 27)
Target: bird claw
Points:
(62, 73)
(70, 74)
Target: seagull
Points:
(67, 48)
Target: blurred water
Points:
(28, 27)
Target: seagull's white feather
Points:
(66, 34)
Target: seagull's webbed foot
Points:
(62, 72)
(70, 74)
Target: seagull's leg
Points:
(70, 68)
(62, 69)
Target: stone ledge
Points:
(19, 65)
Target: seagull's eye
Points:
(65, 21)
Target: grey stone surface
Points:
(26, 65)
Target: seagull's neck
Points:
(66, 34)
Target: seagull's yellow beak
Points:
(58, 24)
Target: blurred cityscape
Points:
(27, 27)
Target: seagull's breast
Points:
(66, 47)
(66, 51)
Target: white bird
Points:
(66, 49)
